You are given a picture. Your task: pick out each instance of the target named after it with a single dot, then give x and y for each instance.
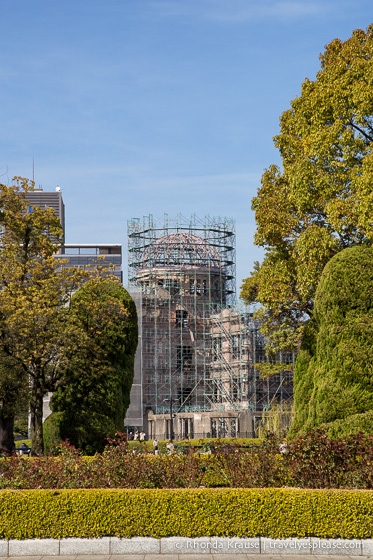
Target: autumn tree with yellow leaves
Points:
(321, 200)
(34, 306)
(41, 334)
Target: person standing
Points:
(170, 448)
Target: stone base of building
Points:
(196, 425)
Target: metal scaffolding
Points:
(198, 347)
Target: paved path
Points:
(194, 556)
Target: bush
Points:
(311, 461)
(334, 372)
(94, 389)
(274, 513)
(52, 432)
(354, 424)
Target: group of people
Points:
(169, 446)
(140, 436)
(137, 436)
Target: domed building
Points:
(192, 373)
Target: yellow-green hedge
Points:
(198, 443)
(276, 513)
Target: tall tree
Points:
(321, 201)
(34, 301)
(93, 393)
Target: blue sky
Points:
(137, 107)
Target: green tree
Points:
(334, 371)
(34, 305)
(93, 392)
(14, 398)
(321, 201)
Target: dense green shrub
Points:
(303, 380)
(354, 424)
(275, 513)
(93, 394)
(52, 432)
(334, 369)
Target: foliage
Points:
(334, 377)
(277, 419)
(52, 433)
(34, 300)
(268, 368)
(319, 461)
(45, 335)
(353, 424)
(303, 382)
(314, 460)
(194, 445)
(223, 512)
(321, 201)
(93, 392)
(27, 442)
(21, 422)
(14, 394)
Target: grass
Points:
(20, 441)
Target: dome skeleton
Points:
(182, 249)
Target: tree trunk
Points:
(6, 434)
(36, 413)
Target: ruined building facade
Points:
(195, 374)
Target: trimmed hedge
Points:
(356, 423)
(333, 377)
(268, 512)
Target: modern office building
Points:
(88, 255)
(80, 255)
(49, 199)
(195, 369)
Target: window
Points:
(235, 347)
(191, 287)
(213, 428)
(223, 427)
(187, 428)
(184, 395)
(198, 287)
(234, 383)
(173, 286)
(216, 348)
(233, 427)
(181, 318)
(184, 357)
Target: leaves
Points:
(338, 381)
(93, 392)
(321, 201)
(47, 334)
(34, 300)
